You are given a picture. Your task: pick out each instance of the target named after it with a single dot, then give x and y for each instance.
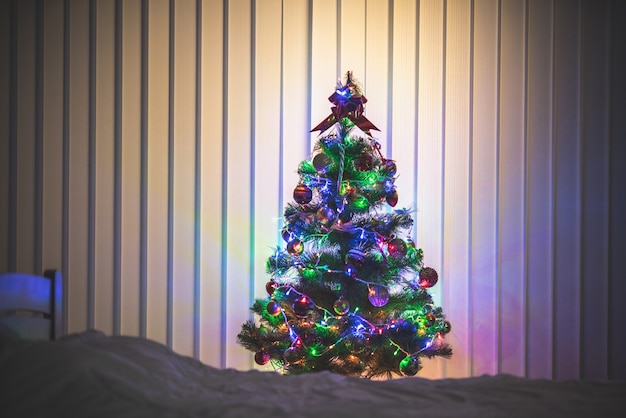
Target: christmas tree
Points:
(348, 292)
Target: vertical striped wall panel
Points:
(483, 222)
(456, 181)
(267, 134)
(566, 251)
(7, 23)
(595, 185)
(539, 188)
(148, 148)
(129, 251)
(429, 195)
(617, 197)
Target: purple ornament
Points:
(273, 308)
(378, 295)
(355, 256)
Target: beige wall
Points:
(147, 149)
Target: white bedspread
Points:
(91, 375)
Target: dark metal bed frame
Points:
(31, 305)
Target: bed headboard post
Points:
(56, 302)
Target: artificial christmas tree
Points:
(349, 291)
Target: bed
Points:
(90, 374)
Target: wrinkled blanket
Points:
(93, 375)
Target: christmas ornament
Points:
(273, 308)
(427, 278)
(325, 215)
(392, 198)
(354, 261)
(261, 358)
(447, 327)
(302, 194)
(355, 256)
(396, 247)
(295, 247)
(364, 162)
(389, 168)
(302, 306)
(287, 235)
(348, 101)
(409, 366)
(378, 295)
(292, 355)
(270, 287)
(321, 163)
(430, 319)
(341, 306)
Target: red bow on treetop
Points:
(348, 101)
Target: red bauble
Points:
(270, 287)
(302, 306)
(392, 198)
(302, 194)
(261, 358)
(396, 248)
(427, 278)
